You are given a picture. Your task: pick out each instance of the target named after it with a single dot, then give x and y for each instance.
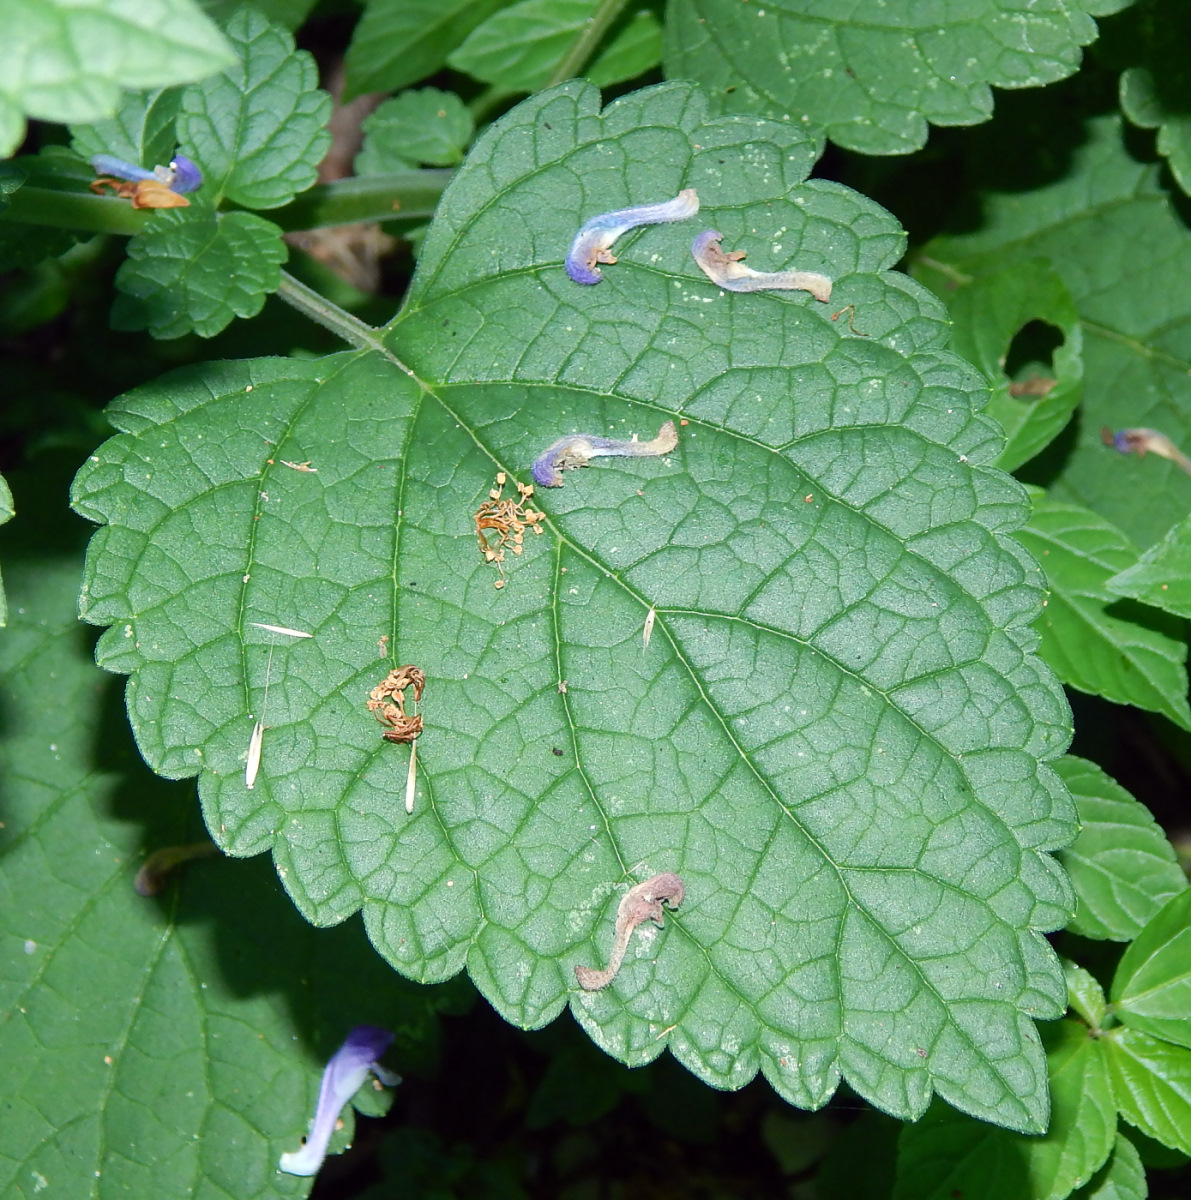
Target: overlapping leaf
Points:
(1121, 1178)
(1151, 990)
(1093, 640)
(1110, 230)
(1152, 1084)
(63, 61)
(1123, 868)
(196, 269)
(1162, 575)
(258, 128)
(834, 736)
(873, 74)
(152, 1047)
(141, 132)
(424, 126)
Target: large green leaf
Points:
(947, 1154)
(152, 1047)
(1091, 639)
(141, 132)
(835, 734)
(1109, 228)
(65, 61)
(1152, 1084)
(870, 73)
(1121, 1178)
(398, 42)
(258, 128)
(1123, 868)
(196, 269)
(987, 315)
(1151, 990)
(1162, 575)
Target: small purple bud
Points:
(577, 449)
(593, 242)
(109, 164)
(345, 1073)
(187, 176)
(1146, 441)
(729, 272)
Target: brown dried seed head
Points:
(500, 478)
(499, 584)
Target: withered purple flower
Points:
(347, 1070)
(729, 272)
(1146, 441)
(593, 243)
(180, 176)
(577, 449)
(640, 903)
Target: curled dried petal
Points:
(729, 272)
(640, 903)
(593, 242)
(1146, 441)
(578, 448)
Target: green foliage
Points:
(1121, 865)
(864, 649)
(1121, 1178)
(1152, 987)
(165, 1046)
(426, 126)
(1162, 575)
(1090, 638)
(257, 128)
(141, 132)
(398, 42)
(520, 46)
(1107, 224)
(1152, 1084)
(63, 61)
(196, 269)
(872, 74)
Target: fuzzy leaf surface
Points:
(948, 1154)
(871, 74)
(836, 735)
(987, 316)
(258, 129)
(1109, 228)
(1123, 1177)
(1151, 990)
(427, 126)
(61, 60)
(1152, 1084)
(141, 132)
(519, 46)
(398, 42)
(1122, 866)
(1093, 640)
(196, 269)
(1162, 575)
(163, 1046)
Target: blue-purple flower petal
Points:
(578, 448)
(109, 164)
(187, 176)
(593, 242)
(347, 1070)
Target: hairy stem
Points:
(586, 44)
(74, 210)
(341, 323)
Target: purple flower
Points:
(1146, 441)
(593, 242)
(180, 176)
(578, 448)
(345, 1073)
(730, 273)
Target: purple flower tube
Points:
(578, 449)
(727, 271)
(593, 243)
(180, 176)
(347, 1070)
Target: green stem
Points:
(585, 45)
(489, 99)
(74, 210)
(330, 316)
(412, 194)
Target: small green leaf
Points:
(987, 314)
(873, 74)
(1162, 575)
(7, 511)
(258, 129)
(427, 126)
(195, 269)
(1126, 654)
(1086, 995)
(1111, 229)
(141, 132)
(1151, 1080)
(1123, 1177)
(152, 1046)
(518, 47)
(948, 1154)
(65, 61)
(1151, 990)
(1123, 868)
(398, 42)
(290, 13)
